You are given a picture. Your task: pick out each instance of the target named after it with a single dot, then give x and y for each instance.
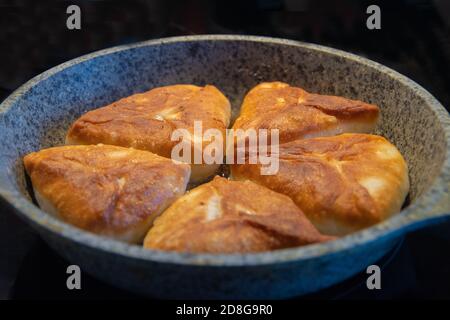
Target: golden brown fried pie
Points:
(112, 191)
(146, 120)
(116, 177)
(342, 183)
(299, 114)
(225, 216)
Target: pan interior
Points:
(42, 115)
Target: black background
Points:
(414, 40)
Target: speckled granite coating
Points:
(38, 114)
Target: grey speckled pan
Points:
(38, 114)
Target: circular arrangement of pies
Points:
(114, 176)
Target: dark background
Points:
(414, 40)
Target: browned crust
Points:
(225, 216)
(342, 108)
(350, 181)
(297, 113)
(146, 120)
(108, 190)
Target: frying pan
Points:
(38, 114)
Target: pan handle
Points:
(431, 214)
